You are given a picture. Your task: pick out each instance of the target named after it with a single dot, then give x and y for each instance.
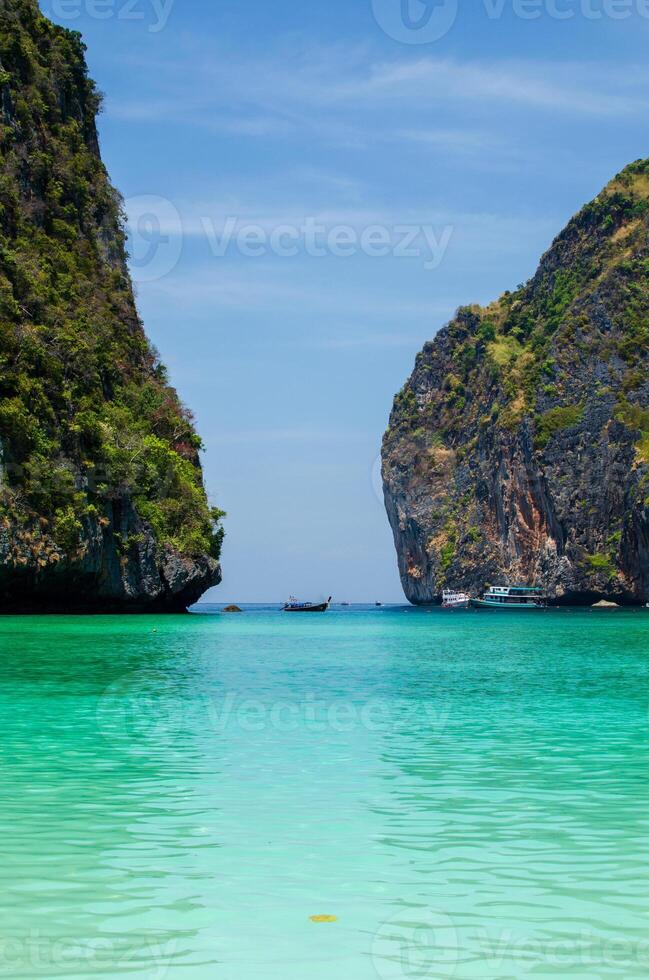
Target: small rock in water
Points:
(232, 609)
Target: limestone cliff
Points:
(102, 504)
(518, 450)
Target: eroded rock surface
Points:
(518, 450)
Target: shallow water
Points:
(465, 791)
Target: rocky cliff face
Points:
(518, 450)
(102, 503)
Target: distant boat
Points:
(455, 600)
(294, 606)
(511, 597)
(379, 604)
(345, 604)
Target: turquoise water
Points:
(466, 792)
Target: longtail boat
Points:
(293, 605)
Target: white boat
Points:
(455, 600)
(511, 597)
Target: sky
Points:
(312, 190)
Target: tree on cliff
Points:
(519, 447)
(101, 499)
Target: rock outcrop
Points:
(102, 504)
(518, 450)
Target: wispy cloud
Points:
(263, 289)
(449, 139)
(295, 434)
(277, 93)
(573, 87)
(369, 340)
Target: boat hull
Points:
(510, 606)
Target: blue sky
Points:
(277, 159)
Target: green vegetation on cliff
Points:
(87, 417)
(541, 400)
(518, 331)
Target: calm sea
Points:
(465, 792)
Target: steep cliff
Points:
(102, 504)
(519, 447)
